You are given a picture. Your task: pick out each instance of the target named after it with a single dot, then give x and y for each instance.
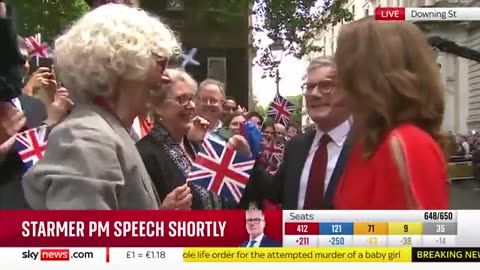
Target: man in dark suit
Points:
(255, 228)
(313, 162)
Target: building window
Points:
(333, 46)
(353, 9)
(324, 46)
(366, 12)
(217, 69)
(175, 5)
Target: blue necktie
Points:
(252, 243)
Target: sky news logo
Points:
(55, 255)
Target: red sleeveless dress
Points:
(375, 183)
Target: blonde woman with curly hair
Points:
(390, 76)
(109, 60)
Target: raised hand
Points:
(240, 144)
(198, 128)
(179, 199)
(11, 121)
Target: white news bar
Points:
(442, 14)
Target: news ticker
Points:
(241, 255)
(427, 14)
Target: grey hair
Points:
(219, 84)
(322, 61)
(176, 75)
(159, 95)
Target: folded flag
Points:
(220, 169)
(254, 137)
(31, 145)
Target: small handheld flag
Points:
(220, 169)
(37, 48)
(254, 137)
(31, 145)
(280, 110)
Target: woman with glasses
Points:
(108, 60)
(167, 151)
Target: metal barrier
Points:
(460, 168)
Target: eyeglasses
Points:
(323, 87)
(182, 100)
(254, 220)
(210, 101)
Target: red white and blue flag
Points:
(38, 48)
(220, 169)
(31, 145)
(280, 110)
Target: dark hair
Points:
(229, 118)
(268, 123)
(295, 126)
(255, 114)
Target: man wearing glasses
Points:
(316, 158)
(255, 228)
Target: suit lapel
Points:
(299, 156)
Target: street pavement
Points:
(463, 195)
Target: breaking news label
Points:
(205, 239)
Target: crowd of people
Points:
(124, 128)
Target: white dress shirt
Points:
(258, 241)
(334, 148)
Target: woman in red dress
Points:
(396, 95)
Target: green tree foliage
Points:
(295, 22)
(48, 17)
(296, 117)
(257, 107)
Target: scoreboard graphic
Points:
(381, 228)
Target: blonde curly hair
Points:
(112, 41)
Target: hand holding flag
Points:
(31, 145)
(254, 137)
(220, 169)
(11, 121)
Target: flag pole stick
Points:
(39, 39)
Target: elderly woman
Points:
(109, 60)
(168, 151)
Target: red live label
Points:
(54, 255)
(390, 14)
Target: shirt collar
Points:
(258, 239)
(337, 134)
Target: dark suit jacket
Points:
(11, 168)
(283, 187)
(266, 242)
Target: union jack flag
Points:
(277, 153)
(280, 110)
(38, 48)
(31, 145)
(220, 169)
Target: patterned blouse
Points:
(183, 161)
